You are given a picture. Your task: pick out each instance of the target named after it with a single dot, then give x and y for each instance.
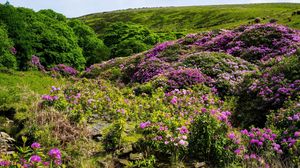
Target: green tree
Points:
(50, 13)
(126, 38)
(7, 59)
(45, 34)
(94, 49)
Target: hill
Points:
(197, 18)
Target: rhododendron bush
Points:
(221, 98)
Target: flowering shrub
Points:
(35, 61)
(33, 156)
(275, 89)
(169, 132)
(149, 68)
(287, 121)
(50, 99)
(226, 71)
(158, 48)
(64, 70)
(255, 42)
(208, 139)
(269, 91)
(185, 77)
(186, 100)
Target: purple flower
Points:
(183, 130)
(35, 61)
(46, 163)
(297, 134)
(244, 132)
(55, 153)
(35, 159)
(183, 143)
(237, 151)
(143, 125)
(253, 156)
(65, 70)
(231, 136)
(35, 145)
(159, 48)
(174, 100)
(296, 117)
(4, 163)
(203, 110)
(13, 50)
(246, 157)
(57, 162)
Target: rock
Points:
(97, 137)
(93, 118)
(199, 164)
(127, 149)
(98, 128)
(124, 162)
(136, 156)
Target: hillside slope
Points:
(197, 18)
(227, 98)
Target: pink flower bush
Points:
(158, 48)
(35, 61)
(148, 68)
(185, 77)
(65, 70)
(255, 42)
(34, 158)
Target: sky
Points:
(75, 8)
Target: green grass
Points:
(33, 80)
(197, 18)
(20, 93)
(19, 90)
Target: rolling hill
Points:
(197, 18)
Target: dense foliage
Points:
(226, 98)
(7, 51)
(93, 48)
(51, 37)
(126, 39)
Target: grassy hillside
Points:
(197, 18)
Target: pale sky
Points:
(75, 8)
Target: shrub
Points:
(287, 122)
(185, 77)
(226, 71)
(112, 140)
(127, 38)
(253, 43)
(269, 91)
(34, 156)
(93, 48)
(45, 34)
(64, 70)
(208, 140)
(148, 68)
(130, 46)
(7, 57)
